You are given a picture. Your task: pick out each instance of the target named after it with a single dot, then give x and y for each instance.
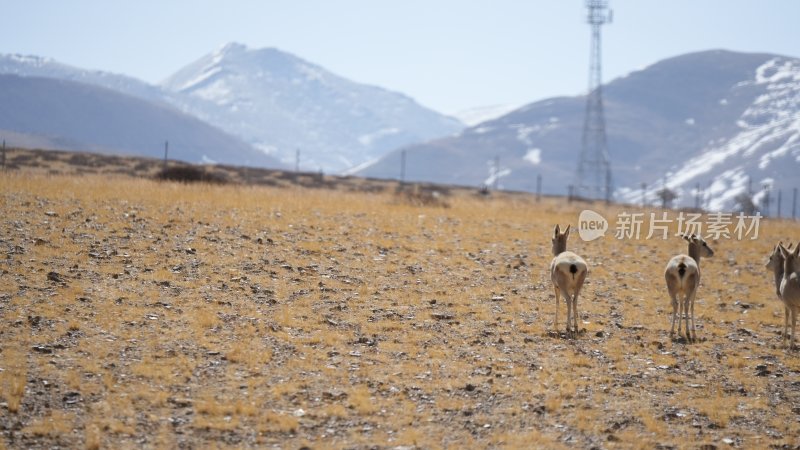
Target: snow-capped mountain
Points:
(282, 104)
(718, 119)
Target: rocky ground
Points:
(145, 314)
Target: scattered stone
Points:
(443, 316)
(70, 398)
(762, 370)
(55, 277)
(180, 402)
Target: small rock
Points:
(70, 398)
(180, 402)
(443, 316)
(45, 349)
(469, 387)
(55, 277)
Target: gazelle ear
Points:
(687, 237)
(784, 252)
(787, 248)
(796, 251)
(556, 231)
(566, 232)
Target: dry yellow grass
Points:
(239, 316)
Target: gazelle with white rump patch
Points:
(790, 285)
(683, 278)
(775, 264)
(568, 272)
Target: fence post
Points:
(166, 151)
(644, 195)
(402, 166)
(538, 187)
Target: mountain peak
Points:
(231, 48)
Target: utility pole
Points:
(297, 160)
(4, 154)
(402, 166)
(697, 197)
(496, 172)
(166, 151)
(779, 204)
(594, 167)
(766, 199)
(794, 203)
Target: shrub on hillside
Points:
(190, 174)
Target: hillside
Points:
(712, 118)
(165, 315)
(77, 116)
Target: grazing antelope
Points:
(775, 264)
(568, 272)
(683, 278)
(790, 285)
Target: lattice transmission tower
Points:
(594, 167)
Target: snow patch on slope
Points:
(770, 129)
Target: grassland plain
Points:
(138, 314)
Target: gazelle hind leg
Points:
(786, 313)
(575, 312)
(691, 305)
(555, 324)
(674, 316)
(570, 312)
(686, 306)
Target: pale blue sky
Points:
(447, 54)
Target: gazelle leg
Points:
(786, 313)
(674, 315)
(575, 312)
(691, 304)
(568, 298)
(555, 324)
(680, 318)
